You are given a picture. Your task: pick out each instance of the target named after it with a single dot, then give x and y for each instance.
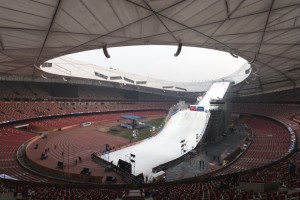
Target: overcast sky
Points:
(193, 64)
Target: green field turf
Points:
(143, 133)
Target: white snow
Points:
(166, 146)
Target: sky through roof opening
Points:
(193, 64)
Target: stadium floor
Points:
(75, 142)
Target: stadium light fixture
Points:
(104, 48)
(178, 49)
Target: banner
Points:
(192, 108)
(200, 108)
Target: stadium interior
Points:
(54, 126)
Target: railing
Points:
(131, 109)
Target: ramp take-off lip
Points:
(166, 146)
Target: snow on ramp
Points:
(166, 146)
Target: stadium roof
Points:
(264, 32)
(68, 67)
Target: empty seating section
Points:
(285, 97)
(271, 142)
(13, 111)
(88, 92)
(276, 173)
(60, 122)
(36, 90)
(209, 190)
(14, 90)
(53, 91)
(6, 92)
(31, 90)
(10, 140)
(15, 135)
(69, 193)
(281, 112)
(20, 90)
